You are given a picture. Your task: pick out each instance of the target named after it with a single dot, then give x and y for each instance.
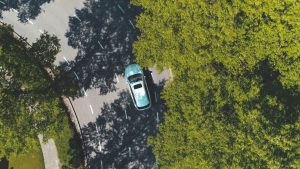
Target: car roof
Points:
(132, 70)
(140, 95)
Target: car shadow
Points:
(103, 33)
(27, 9)
(154, 89)
(122, 132)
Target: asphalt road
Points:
(96, 39)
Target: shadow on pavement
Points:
(103, 33)
(122, 132)
(27, 9)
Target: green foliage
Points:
(28, 102)
(225, 32)
(33, 159)
(45, 49)
(68, 146)
(234, 101)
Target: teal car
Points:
(137, 87)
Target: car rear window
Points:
(137, 86)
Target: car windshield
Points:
(135, 78)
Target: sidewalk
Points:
(50, 154)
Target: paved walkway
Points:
(50, 154)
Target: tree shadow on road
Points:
(103, 33)
(122, 132)
(27, 9)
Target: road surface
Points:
(96, 39)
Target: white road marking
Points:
(41, 31)
(66, 60)
(2, 2)
(131, 24)
(100, 147)
(129, 151)
(91, 109)
(101, 164)
(76, 75)
(121, 9)
(84, 92)
(117, 77)
(100, 45)
(30, 21)
(157, 119)
(77, 17)
(15, 10)
(97, 128)
(126, 115)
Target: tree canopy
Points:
(235, 97)
(27, 9)
(28, 99)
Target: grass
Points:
(68, 145)
(31, 160)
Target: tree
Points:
(27, 9)
(234, 101)
(28, 105)
(45, 49)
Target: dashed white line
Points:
(41, 31)
(121, 9)
(84, 92)
(101, 164)
(76, 75)
(131, 24)
(77, 17)
(126, 115)
(129, 151)
(2, 2)
(30, 21)
(117, 77)
(100, 45)
(97, 128)
(100, 147)
(157, 119)
(15, 10)
(66, 60)
(91, 109)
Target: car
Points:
(137, 87)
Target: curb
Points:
(74, 118)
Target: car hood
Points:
(132, 70)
